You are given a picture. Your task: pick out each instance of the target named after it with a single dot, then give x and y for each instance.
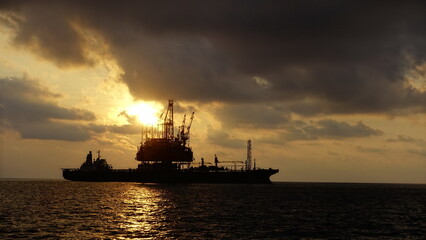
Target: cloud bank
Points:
(311, 57)
(328, 129)
(32, 111)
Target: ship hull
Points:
(260, 176)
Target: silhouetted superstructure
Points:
(166, 158)
(166, 149)
(97, 165)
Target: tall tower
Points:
(168, 124)
(248, 161)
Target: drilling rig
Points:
(163, 157)
(162, 147)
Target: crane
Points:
(181, 131)
(184, 130)
(189, 126)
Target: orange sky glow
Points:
(323, 113)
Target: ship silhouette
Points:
(167, 158)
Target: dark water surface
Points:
(78, 210)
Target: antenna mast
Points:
(248, 161)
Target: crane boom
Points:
(189, 127)
(181, 132)
(190, 122)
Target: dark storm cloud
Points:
(403, 138)
(49, 35)
(371, 150)
(328, 129)
(420, 152)
(246, 115)
(275, 117)
(26, 100)
(53, 131)
(222, 138)
(299, 131)
(126, 129)
(407, 139)
(331, 128)
(31, 110)
(178, 108)
(312, 56)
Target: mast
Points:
(189, 128)
(248, 161)
(168, 124)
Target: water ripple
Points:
(76, 210)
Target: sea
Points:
(55, 209)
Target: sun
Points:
(146, 112)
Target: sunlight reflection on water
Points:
(78, 210)
(143, 212)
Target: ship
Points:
(166, 157)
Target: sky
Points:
(328, 91)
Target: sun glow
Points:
(146, 112)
